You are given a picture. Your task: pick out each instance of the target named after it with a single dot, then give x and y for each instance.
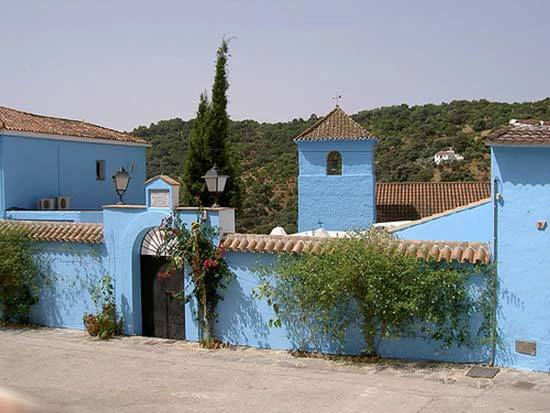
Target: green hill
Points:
(408, 138)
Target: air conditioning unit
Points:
(46, 203)
(63, 202)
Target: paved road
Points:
(63, 370)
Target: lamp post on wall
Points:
(121, 180)
(215, 183)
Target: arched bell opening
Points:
(334, 163)
(162, 305)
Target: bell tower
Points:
(336, 181)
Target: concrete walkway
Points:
(64, 370)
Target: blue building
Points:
(507, 226)
(336, 182)
(520, 170)
(44, 158)
(514, 221)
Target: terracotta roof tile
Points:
(18, 121)
(58, 231)
(337, 125)
(403, 201)
(521, 132)
(450, 251)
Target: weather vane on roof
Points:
(337, 98)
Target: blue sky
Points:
(126, 63)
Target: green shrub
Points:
(105, 324)
(20, 275)
(362, 282)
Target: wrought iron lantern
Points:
(215, 183)
(121, 180)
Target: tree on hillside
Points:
(209, 144)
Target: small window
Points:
(334, 163)
(100, 170)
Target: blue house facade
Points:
(515, 223)
(520, 169)
(46, 158)
(336, 182)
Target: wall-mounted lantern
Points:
(215, 183)
(121, 180)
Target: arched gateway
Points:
(132, 237)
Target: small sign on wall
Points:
(526, 347)
(160, 198)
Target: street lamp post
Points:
(121, 180)
(215, 183)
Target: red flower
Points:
(162, 275)
(209, 263)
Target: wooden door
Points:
(163, 312)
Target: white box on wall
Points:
(63, 202)
(46, 203)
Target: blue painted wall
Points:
(469, 224)
(341, 202)
(523, 253)
(70, 272)
(73, 269)
(44, 168)
(243, 320)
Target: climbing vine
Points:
(360, 281)
(209, 271)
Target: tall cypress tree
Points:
(198, 159)
(209, 143)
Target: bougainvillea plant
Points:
(209, 272)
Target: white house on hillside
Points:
(447, 156)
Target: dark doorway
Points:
(163, 314)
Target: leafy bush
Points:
(361, 281)
(105, 324)
(20, 275)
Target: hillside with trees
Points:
(408, 137)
